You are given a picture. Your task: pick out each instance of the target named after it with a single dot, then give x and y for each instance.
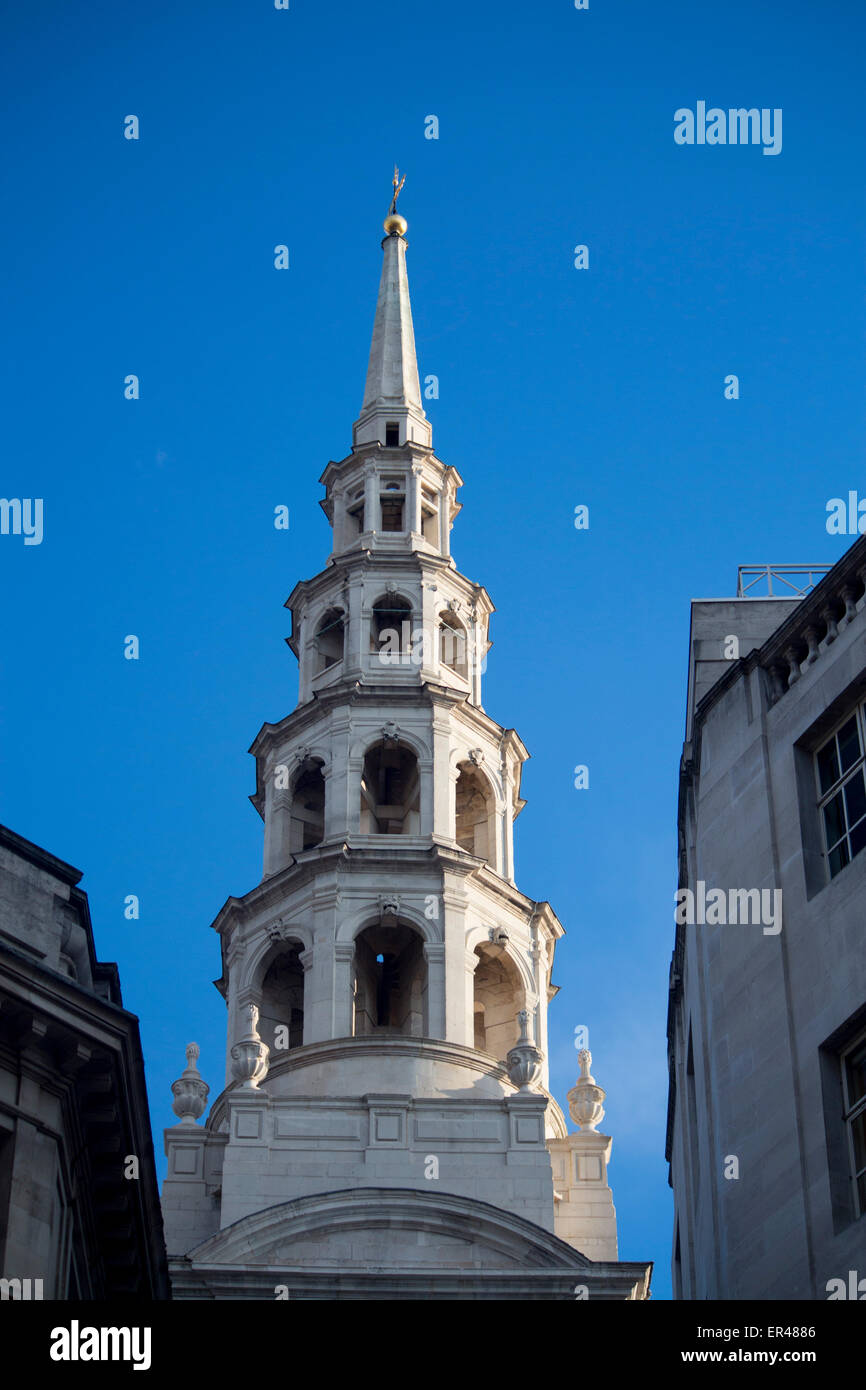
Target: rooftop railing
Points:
(792, 581)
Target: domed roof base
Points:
(386, 1243)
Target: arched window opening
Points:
(499, 997)
(329, 640)
(390, 982)
(308, 807)
(391, 629)
(281, 1011)
(475, 828)
(453, 645)
(390, 791)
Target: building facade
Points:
(386, 1130)
(79, 1203)
(767, 1007)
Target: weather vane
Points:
(397, 187)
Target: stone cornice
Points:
(391, 1045)
(336, 470)
(352, 564)
(623, 1281)
(48, 863)
(427, 1049)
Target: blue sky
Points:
(557, 387)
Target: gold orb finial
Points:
(394, 223)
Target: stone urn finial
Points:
(524, 1059)
(250, 1055)
(586, 1099)
(189, 1091)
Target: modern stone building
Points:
(75, 1212)
(386, 1130)
(767, 1013)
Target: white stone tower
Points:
(385, 1123)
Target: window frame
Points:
(851, 1112)
(824, 798)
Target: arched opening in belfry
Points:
(390, 982)
(475, 813)
(281, 1007)
(453, 645)
(329, 640)
(390, 791)
(499, 997)
(391, 630)
(308, 806)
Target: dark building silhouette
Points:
(73, 1106)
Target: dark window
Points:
(391, 628)
(329, 641)
(392, 513)
(691, 1121)
(392, 436)
(390, 791)
(308, 807)
(7, 1154)
(390, 985)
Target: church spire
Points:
(392, 411)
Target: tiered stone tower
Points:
(384, 1127)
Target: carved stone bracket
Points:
(277, 930)
(389, 909)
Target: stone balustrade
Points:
(816, 623)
